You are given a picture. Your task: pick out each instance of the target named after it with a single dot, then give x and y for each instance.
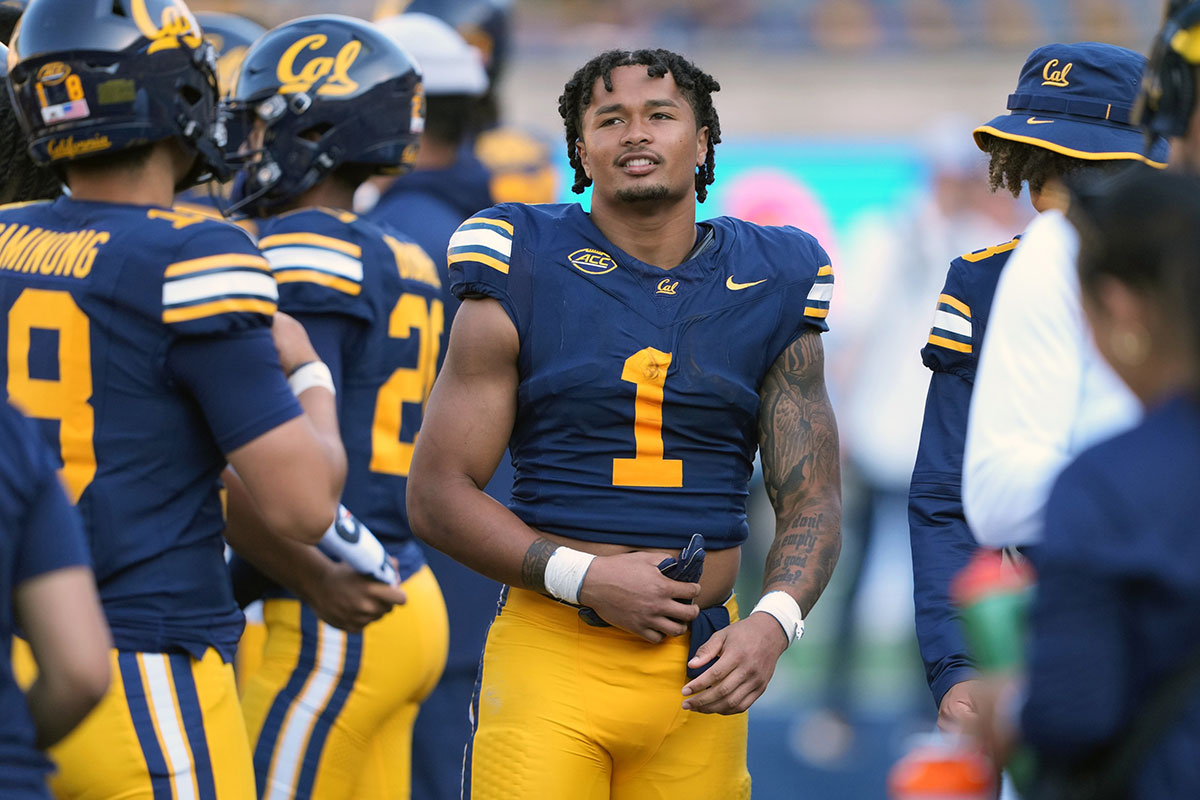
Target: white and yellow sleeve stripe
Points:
(817, 304)
(951, 325)
(218, 284)
(313, 258)
(482, 240)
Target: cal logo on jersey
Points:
(334, 69)
(593, 262)
(484, 240)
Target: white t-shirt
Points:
(1042, 391)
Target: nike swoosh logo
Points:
(1036, 121)
(730, 284)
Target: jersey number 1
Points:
(64, 398)
(647, 370)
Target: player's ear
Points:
(581, 151)
(701, 146)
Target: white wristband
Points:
(786, 611)
(306, 376)
(564, 573)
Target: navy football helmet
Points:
(231, 36)
(90, 77)
(324, 92)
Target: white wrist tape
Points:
(564, 573)
(306, 376)
(786, 611)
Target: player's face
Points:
(639, 141)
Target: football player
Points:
(330, 101)
(145, 343)
(446, 186)
(634, 360)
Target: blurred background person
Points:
(893, 264)
(446, 186)
(1118, 599)
(1021, 156)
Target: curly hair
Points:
(695, 84)
(1013, 164)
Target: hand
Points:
(351, 601)
(291, 342)
(629, 592)
(748, 651)
(959, 710)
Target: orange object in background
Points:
(942, 767)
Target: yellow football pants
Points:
(330, 714)
(567, 710)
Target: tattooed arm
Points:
(802, 473)
(801, 468)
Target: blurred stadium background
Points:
(851, 119)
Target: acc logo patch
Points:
(333, 69)
(593, 262)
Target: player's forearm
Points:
(805, 550)
(297, 566)
(454, 515)
(320, 407)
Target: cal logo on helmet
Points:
(300, 70)
(174, 25)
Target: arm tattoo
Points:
(533, 566)
(802, 472)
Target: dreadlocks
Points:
(696, 85)
(1012, 164)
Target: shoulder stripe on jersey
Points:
(487, 240)
(954, 303)
(244, 305)
(222, 261)
(495, 223)
(494, 263)
(319, 278)
(949, 344)
(817, 303)
(317, 259)
(313, 240)
(945, 322)
(214, 285)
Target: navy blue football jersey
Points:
(98, 304)
(638, 400)
(942, 543)
(371, 301)
(39, 533)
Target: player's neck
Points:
(661, 237)
(436, 154)
(150, 183)
(331, 192)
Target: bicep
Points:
(473, 405)
(797, 432)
